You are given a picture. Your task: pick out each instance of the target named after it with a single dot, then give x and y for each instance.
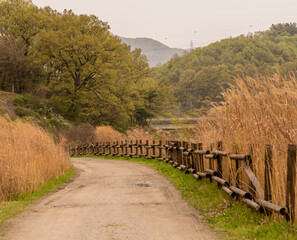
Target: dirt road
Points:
(111, 200)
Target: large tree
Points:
(86, 73)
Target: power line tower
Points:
(191, 45)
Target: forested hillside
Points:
(199, 77)
(75, 67)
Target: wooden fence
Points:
(193, 159)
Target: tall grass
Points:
(108, 134)
(86, 133)
(28, 157)
(255, 112)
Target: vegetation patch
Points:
(201, 76)
(19, 203)
(28, 158)
(231, 219)
(39, 111)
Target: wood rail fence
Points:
(191, 158)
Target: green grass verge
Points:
(19, 204)
(229, 218)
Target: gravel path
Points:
(111, 200)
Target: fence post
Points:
(126, 148)
(99, 148)
(168, 152)
(219, 159)
(195, 158)
(114, 148)
(211, 161)
(190, 157)
(268, 172)
(84, 149)
(103, 148)
(200, 157)
(131, 149)
(291, 181)
(154, 149)
(141, 148)
(96, 148)
(106, 150)
(89, 148)
(160, 150)
(251, 165)
(237, 175)
(147, 148)
(179, 153)
(136, 149)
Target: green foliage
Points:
(28, 101)
(34, 109)
(199, 77)
(88, 73)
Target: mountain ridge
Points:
(156, 52)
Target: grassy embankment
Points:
(231, 219)
(31, 165)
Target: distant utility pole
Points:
(191, 45)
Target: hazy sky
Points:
(176, 23)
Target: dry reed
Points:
(28, 157)
(108, 134)
(256, 112)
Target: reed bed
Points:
(108, 134)
(28, 158)
(256, 112)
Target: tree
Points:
(22, 20)
(282, 29)
(75, 54)
(15, 67)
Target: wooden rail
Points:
(192, 158)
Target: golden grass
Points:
(108, 134)
(28, 157)
(257, 111)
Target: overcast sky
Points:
(177, 22)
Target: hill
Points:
(156, 52)
(199, 77)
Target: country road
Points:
(110, 200)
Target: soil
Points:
(111, 200)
